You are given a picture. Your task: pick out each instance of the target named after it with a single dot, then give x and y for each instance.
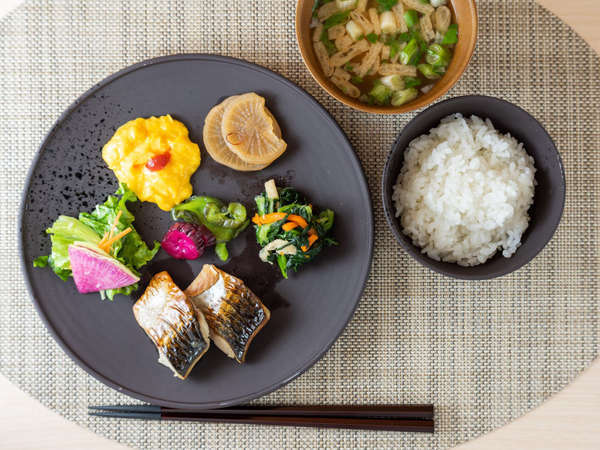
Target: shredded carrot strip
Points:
(289, 226)
(106, 245)
(311, 240)
(114, 224)
(274, 217)
(298, 219)
(109, 233)
(268, 218)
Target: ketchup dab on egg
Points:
(158, 162)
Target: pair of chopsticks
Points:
(416, 418)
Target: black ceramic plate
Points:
(309, 310)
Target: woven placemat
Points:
(483, 352)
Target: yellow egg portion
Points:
(139, 149)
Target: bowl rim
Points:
(422, 258)
(416, 104)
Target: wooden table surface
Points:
(570, 420)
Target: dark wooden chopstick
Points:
(387, 411)
(415, 418)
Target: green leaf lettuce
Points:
(131, 250)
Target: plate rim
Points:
(77, 359)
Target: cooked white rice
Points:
(464, 191)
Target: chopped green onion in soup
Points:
(437, 55)
(411, 17)
(394, 82)
(411, 53)
(346, 4)
(374, 41)
(451, 36)
(404, 96)
(380, 94)
(372, 38)
(412, 82)
(428, 71)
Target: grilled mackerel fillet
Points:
(178, 330)
(233, 313)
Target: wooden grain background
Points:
(570, 420)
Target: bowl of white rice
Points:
(474, 188)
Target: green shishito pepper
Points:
(225, 222)
(231, 217)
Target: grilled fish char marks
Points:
(177, 329)
(233, 312)
(240, 314)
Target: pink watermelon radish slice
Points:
(95, 270)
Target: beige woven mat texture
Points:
(483, 352)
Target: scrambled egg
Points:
(155, 158)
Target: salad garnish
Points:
(107, 231)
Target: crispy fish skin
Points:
(177, 329)
(233, 312)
